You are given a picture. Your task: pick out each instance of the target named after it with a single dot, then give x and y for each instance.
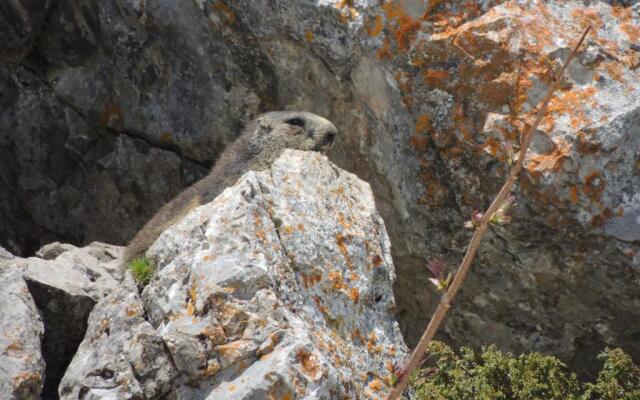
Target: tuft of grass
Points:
(142, 270)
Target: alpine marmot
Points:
(261, 143)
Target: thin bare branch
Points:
(465, 264)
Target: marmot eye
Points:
(295, 122)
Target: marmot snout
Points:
(261, 143)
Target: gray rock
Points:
(288, 275)
(5, 255)
(20, 24)
(121, 356)
(67, 181)
(64, 285)
(51, 251)
(22, 371)
(282, 287)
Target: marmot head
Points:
(300, 130)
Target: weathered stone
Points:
(21, 332)
(281, 286)
(547, 281)
(51, 251)
(65, 285)
(20, 24)
(121, 356)
(4, 254)
(65, 181)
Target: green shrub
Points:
(142, 270)
(618, 380)
(493, 375)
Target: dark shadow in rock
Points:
(585, 363)
(65, 323)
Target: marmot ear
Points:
(263, 126)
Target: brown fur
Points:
(262, 141)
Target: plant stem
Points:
(465, 264)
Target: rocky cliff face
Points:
(107, 110)
(280, 288)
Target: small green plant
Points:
(142, 270)
(619, 378)
(493, 375)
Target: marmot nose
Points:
(329, 138)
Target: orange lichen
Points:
(377, 260)
(372, 342)
(375, 27)
(594, 185)
(318, 302)
(406, 28)
(343, 222)
(22, 377)
(552, 161)
(191, 309)
(14, 348)
(573, 194)
(622, 13)
(584, 146)
(588, 16)
(602, 218)
(376, 385)
(229, 15)
(406, 32)
(493, 147)
(572, 102)
(308, 35)
(423, 124)
(632, 31)
(166, 136)
(433, 77)
(308, 363)
(112, 114)
(310, 280)
(420, 143)
(356, 336)
(336, 279)
(354, 294)
(393, 10)
(615, 71)
(340, 240)
(384, 53)
(132, 310)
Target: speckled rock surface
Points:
(281, 287)
(114, 107)
(21, 331)
(564, 277)
(121, 356)
(45, 303)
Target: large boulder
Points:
(279, 288)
